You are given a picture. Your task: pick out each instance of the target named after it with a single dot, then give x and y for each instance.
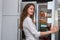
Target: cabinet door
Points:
(10, 7)
(9, 28)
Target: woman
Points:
(28, 26)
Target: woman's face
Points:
(30, 10)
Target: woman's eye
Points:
(31, 8)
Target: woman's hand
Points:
(54, 29)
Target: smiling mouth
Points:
(32, 12)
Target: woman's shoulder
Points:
(27, 19)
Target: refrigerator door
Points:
(43, 23)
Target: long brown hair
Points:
(24, 14)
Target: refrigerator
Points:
(50, 20)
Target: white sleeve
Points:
(31, 28)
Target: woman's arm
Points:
(53, 30)
(45, 33)
(31, 28)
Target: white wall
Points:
(0, 17)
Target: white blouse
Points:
(30, 30)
